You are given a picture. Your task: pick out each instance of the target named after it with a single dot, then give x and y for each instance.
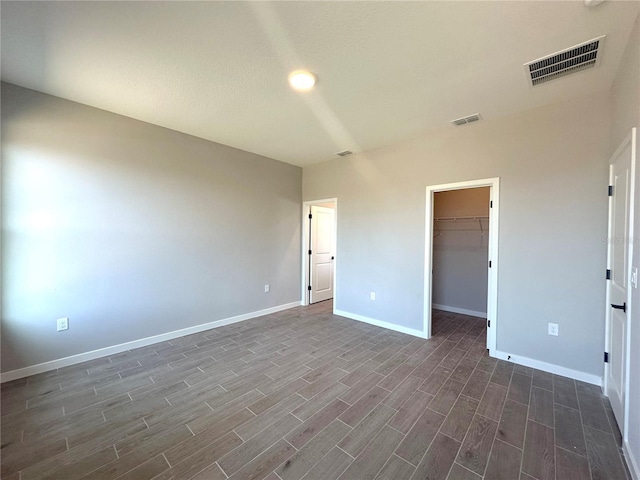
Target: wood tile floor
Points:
(305, 394)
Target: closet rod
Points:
(455, 219)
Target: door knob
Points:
(622, 307)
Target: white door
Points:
(321, 257)
(619, 255)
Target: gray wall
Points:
(625, 114)
(552, 163)
(132, 230)
(461, 250)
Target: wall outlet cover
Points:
(372, 296)
(553, 329)
(62, 324)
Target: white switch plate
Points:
(266, 288)
(634, 277)
(63, 324)
(373, 295)
(553, 329)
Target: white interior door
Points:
(321, 258)
(619, 255)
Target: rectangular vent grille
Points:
(344, 153)
(573, 60)
(464, 120)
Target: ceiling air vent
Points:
(344, 153)
(464, 120)
(573, 60)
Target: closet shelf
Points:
(451, 220)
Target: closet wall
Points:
(460, 250)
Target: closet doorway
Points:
(461, 252)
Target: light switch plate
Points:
(634, 277)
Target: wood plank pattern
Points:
(304, 394)
(475, 449)
(603, 454)
(504, 463)
(539, 452)
(513, 423)
(437, 462)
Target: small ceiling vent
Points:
(557, 65)
(464, 120)
(344, 153)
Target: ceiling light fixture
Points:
(302, 80)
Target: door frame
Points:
(631, 138)
(492, 284)
(304, 296)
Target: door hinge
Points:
(309, 288)
(309, 252)
(491, 204)
(489, 263)
(611, 190)
(608, 274)
(606, 357)
(488, 323)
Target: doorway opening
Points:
(460, 259)
(319, 220)
(461, 253)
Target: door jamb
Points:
(304, 298)
(492, 284)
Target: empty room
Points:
(320, 240)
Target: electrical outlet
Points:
(553, 329)
(373, 295)
(266, 288)
(63, 324)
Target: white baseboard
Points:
(632, 462)
(463, 311)
(548, 367)
(143, 342)
(381, 323)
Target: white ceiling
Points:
(388, 71)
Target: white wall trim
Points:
(381, 323)
(630, 312)
(143, 342)
(632, 462)
(463, 311)
(548, 367)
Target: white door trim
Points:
(631, 138)
(494, 215)
(304, 298)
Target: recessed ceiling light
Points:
(302, 80)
